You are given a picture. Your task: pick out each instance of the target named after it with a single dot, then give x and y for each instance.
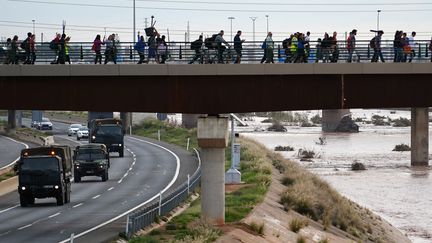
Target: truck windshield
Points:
(46, 163)
(109, 130)
(90, 154)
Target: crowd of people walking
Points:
(297, 48)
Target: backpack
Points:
(24, 45)
(210, 42)
(348, 42)
(286, 43)
(53, 45)
(372, 43)
(195, 45)
(264, 45)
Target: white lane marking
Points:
(13, 140)
(20, 228)
(109, 189)
(52, 216)
(5, 233)
(120, 181)
(142, 204)
(96, 196)
(7, 209)
(79, 204)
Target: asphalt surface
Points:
(147, 168)
(9, 151)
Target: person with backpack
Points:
(111, 50)
(285, 45)
(398, 46)
(152, 45)
(197, 47)
(238, 46)
(319, 52)
(13, 52)
(412, 45)
(307, 44)
(219, 40)
(55, 48)
(96, 47)
(269, 48)
(32, 46)
(325, 47)
(140, 48)
(25, 45)
(375, 44)
(351, 46)
(293, 47)
(162, 50)
(300, 53)
(67, 47)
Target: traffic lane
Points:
(153, 171)
(10, 150)
(188, 165)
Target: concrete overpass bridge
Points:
(220, 89)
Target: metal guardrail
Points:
(145, 216)
(181, 53)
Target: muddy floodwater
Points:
(389, 187)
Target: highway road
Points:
(147, 168)
(9, 151)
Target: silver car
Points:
(82, 132)
(73, 128)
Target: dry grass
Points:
(258, 228)
(297, 224)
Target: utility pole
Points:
(253, 24)
(64, 26)
(378, 14)
(188, 32)
(34, 32)
(267, 23)
(145, 26)
(231, 18)
(134, 28)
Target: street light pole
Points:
(134, 29)
(34, 33)
(267, 23)
(378, 14)
(231, 18)
(253, 30)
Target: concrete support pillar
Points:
(190, 120)
(419, 137)
(213, 139)
(332, 118)
(11, 121)
(126, 117)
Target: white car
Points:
(82, 132)
(73, 128)
(45, 124)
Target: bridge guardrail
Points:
(145, 216)
(181, 52)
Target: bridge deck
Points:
(215, 89)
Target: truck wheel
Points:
(77, 178)
(105, 176)
(121, 153)
(60, 199)
(23, 200)
(67, 196)
(30, 200)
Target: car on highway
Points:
(45, 124)
(34, 123)
(73, 128)
(83, 132)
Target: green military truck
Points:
(91, 160)
(108, 131)
(44, 172)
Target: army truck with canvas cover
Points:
(44, 172)
(91, 160)
(109, 132)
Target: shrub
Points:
(277, 127)
(379, 121)
(306, 154)
(316, 119)
(284, 148)
(297, 224)
(287, 181)
(401, 122)
(357, 166)
(258, 228)
(306, 124)
(402, 147)
(301, 239)
(282, 116)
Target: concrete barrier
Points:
(8, 186)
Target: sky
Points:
(85, 19)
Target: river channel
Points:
(389, 187)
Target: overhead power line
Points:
(219, 10)
(289, 4)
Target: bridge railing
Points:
(166, 202)
(181, 53)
